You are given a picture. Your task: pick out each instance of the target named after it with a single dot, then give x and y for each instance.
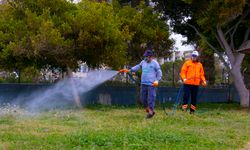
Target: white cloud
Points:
(178, 38)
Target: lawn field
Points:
(214, 126)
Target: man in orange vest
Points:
(192, 74)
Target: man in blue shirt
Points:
(151, 74)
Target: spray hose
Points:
(175, 105)
(177, 100)
(130, 75)
(133, 79)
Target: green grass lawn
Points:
(215, 126)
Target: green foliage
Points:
(221, 12)
(144, 29)
(30, 75)
(11, 78)
(50, 48)
(171, 71)
(206, 16)
(99, 39)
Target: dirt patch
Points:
(246, 147)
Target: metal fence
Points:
(116, 94)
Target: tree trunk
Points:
(236, 60)
(240, 86)
(74, 89)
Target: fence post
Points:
(229, 96)
(173, 75)
(249, 100)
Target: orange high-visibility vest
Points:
(193, 72)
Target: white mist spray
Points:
(61, 94)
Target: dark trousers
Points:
(193, 91)
(148, 95)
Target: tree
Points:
(223, 25)
(29, 36)
(59, 34)
(144, 29)
(11, 39)
(97, 34)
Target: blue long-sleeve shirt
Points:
(151, 71)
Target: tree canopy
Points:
(61, 33)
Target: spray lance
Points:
(155, 83)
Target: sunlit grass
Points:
(214, 126)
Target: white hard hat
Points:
(195, 53)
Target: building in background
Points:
(179, 55)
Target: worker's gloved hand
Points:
(204, 83)
(155, 83)
(184, 80)
(124, 70)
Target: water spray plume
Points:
(66, 92)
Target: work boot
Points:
(191, 112)
(184, 109)
(150, 115)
